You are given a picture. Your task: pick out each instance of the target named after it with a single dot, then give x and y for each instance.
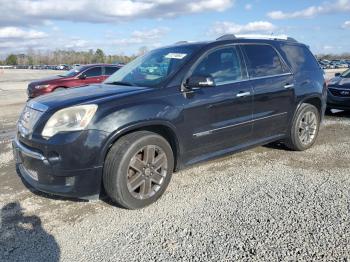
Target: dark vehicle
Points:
(339, 91)
(171, 108)
(78, 76)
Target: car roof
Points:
(227, 39)
(87, 66)
(100, 64)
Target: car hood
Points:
(45, 80)
(88, 94)
(339, 82)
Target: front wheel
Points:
(138, 169)
(305, 127)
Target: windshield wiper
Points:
(122, 83)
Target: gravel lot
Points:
(263, 204)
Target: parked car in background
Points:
(63, 67)
(339, 91)
(334, 64)
(128, 134)
(78, 76)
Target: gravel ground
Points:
(265, 204)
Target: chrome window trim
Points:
(243, 58)
(270, 76)
(208, 132)
(254, 78)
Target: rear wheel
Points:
(305, 127)
(138, 169)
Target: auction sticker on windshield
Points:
(175, 55)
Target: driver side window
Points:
(223, 65)
(93, 72)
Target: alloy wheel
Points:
(146, 172)
(307, 128)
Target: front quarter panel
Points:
(135, 112)
(115, 116)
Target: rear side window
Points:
(110, 70)
(96, 71)
(300, 58)
(224, 65)
(263, 60)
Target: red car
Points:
(79, 76)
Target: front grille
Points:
(340, 92)
(29, 117)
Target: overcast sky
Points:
(123, 26)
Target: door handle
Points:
(286, 86)
(243, 94)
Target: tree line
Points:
(69, 57)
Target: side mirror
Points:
(337, 74)
(199, 81)
(82, 76)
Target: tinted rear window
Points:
(263, 60)
(300, 58)
(110, 70)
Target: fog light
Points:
(53, 157)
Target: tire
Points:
(120, 178)
(303, 134)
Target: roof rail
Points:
(226, 37)
(257, 36)
(291, 39)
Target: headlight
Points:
(41, 86)
(73, 118)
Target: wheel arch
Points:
(315, 101)
(162, 128)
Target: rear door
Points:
(219, 117)
(108, 71)
(273, 86)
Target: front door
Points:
(218, 118)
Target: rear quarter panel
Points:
(308, 76)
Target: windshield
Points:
(346, 74)
(152, 68)
(72, 72)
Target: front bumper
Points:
(338, 102)
(57, 174)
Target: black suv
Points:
(173, 107)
